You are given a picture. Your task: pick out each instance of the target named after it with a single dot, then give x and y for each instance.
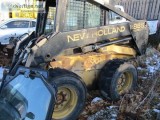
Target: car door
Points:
(32, 26)
(17, 27)
(13, 28)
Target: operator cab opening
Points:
(46, 17)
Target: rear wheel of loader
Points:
(117, 78)
(71, 94)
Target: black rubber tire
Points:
(109, 77)
(64, 77)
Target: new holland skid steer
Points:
(81, 51)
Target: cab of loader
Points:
(81, 51)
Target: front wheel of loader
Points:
(117, 78)
(71, 94)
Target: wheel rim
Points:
(124, 82)
(66, 102)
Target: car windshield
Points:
(18, 24)
(29, 96)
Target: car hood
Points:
(8, 32)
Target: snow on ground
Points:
(150, 62)
(109, 113)
(153, 63)
(96, 99)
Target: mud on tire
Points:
(116, 78)
(71, 94)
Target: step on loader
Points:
(80, 52)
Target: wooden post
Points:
(142, 9)
(146, 9)
(157, 12)
(153, 9)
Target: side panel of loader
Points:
(81, 38)
(88, 66)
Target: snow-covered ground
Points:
(150, 62)
(152, 28)
(109, 113)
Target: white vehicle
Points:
(14, 28)
(114, 18)
(154, 26)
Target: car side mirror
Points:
(4, 27)
(30, 115)
(117, 17)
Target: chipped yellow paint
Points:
(118, 50)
